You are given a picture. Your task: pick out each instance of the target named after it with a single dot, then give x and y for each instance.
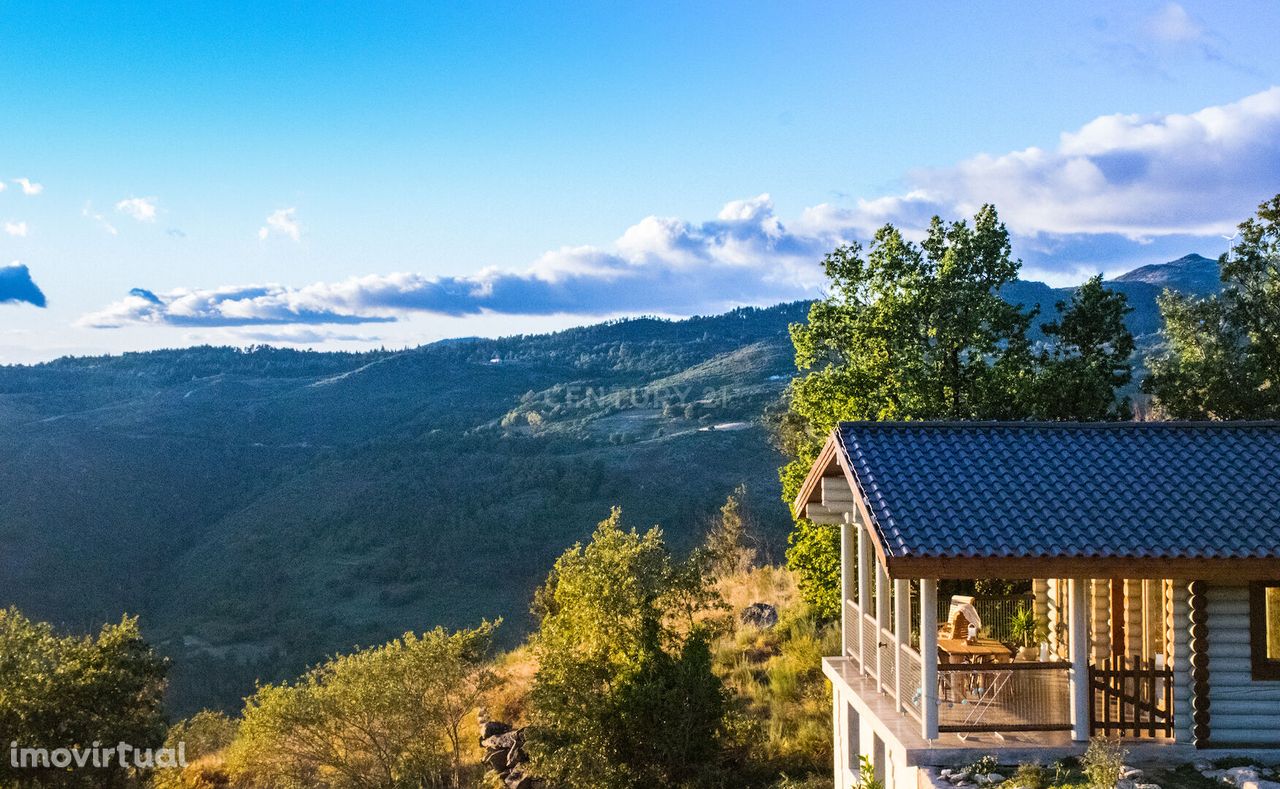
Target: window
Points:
(1264, 627)
(853, 737)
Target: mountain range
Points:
(260, 508)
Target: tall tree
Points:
(624, 695)
(908, 331)
(922, 332)
(72, 691)
(1087, 359)
(377, 718)
(1223, 352)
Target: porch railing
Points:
(888, 662)
(1004, 697)
(912, 681)
(870, 640)
(849, 635)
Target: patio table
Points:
(976, 652)
(960, 650)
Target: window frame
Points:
(1265, 669)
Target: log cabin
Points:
(1146, 555)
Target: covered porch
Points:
(1112, 638)
(896, 636)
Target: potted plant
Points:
(1027, 632)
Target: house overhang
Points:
(832, 462)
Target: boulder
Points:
(503, 742)
(1238, 775)
(493, 729)
(761, 615)
(516, 779)
(516, 756)
(496, 761)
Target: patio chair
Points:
(962, 614)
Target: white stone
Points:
(1239, 775)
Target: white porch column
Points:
(864, 594)
(1078, 644)
(901, 631)
(882, 612)
(847, 545)
(929, 658)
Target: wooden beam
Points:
(976, 567)
(819, 469)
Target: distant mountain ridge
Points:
(259, 509)
(1194, 274)
(1191, 274)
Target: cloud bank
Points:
(1118, 184)
(744, 256)
(1135, 176)
(17, 287)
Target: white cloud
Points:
(101, 220)
(745, 256)
(1135, 176)
(18, 229)
(1172, 24)
(142, 209)
(284, 222)
(1120, 190)
(29, 188)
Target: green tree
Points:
(1088, 358)
(1223, 352)
(202, 738)
(908, 331)
(624, 695)
(72, 691)
(381, 718)
(921, 331)
(727, 547)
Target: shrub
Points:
(1103, 762)
(1029, 776)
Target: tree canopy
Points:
(624, 695)
(921, 331)
(382, 717)
(75, 691)
(1223, 351)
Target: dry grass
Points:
(509, 701)
(775, 675)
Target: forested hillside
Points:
(261, 508)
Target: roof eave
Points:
(984, 567)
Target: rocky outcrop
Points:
(504, 754)
(760, 615)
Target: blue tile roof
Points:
(1135, 489)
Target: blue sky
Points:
(351, 176)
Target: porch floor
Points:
(955, 750)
